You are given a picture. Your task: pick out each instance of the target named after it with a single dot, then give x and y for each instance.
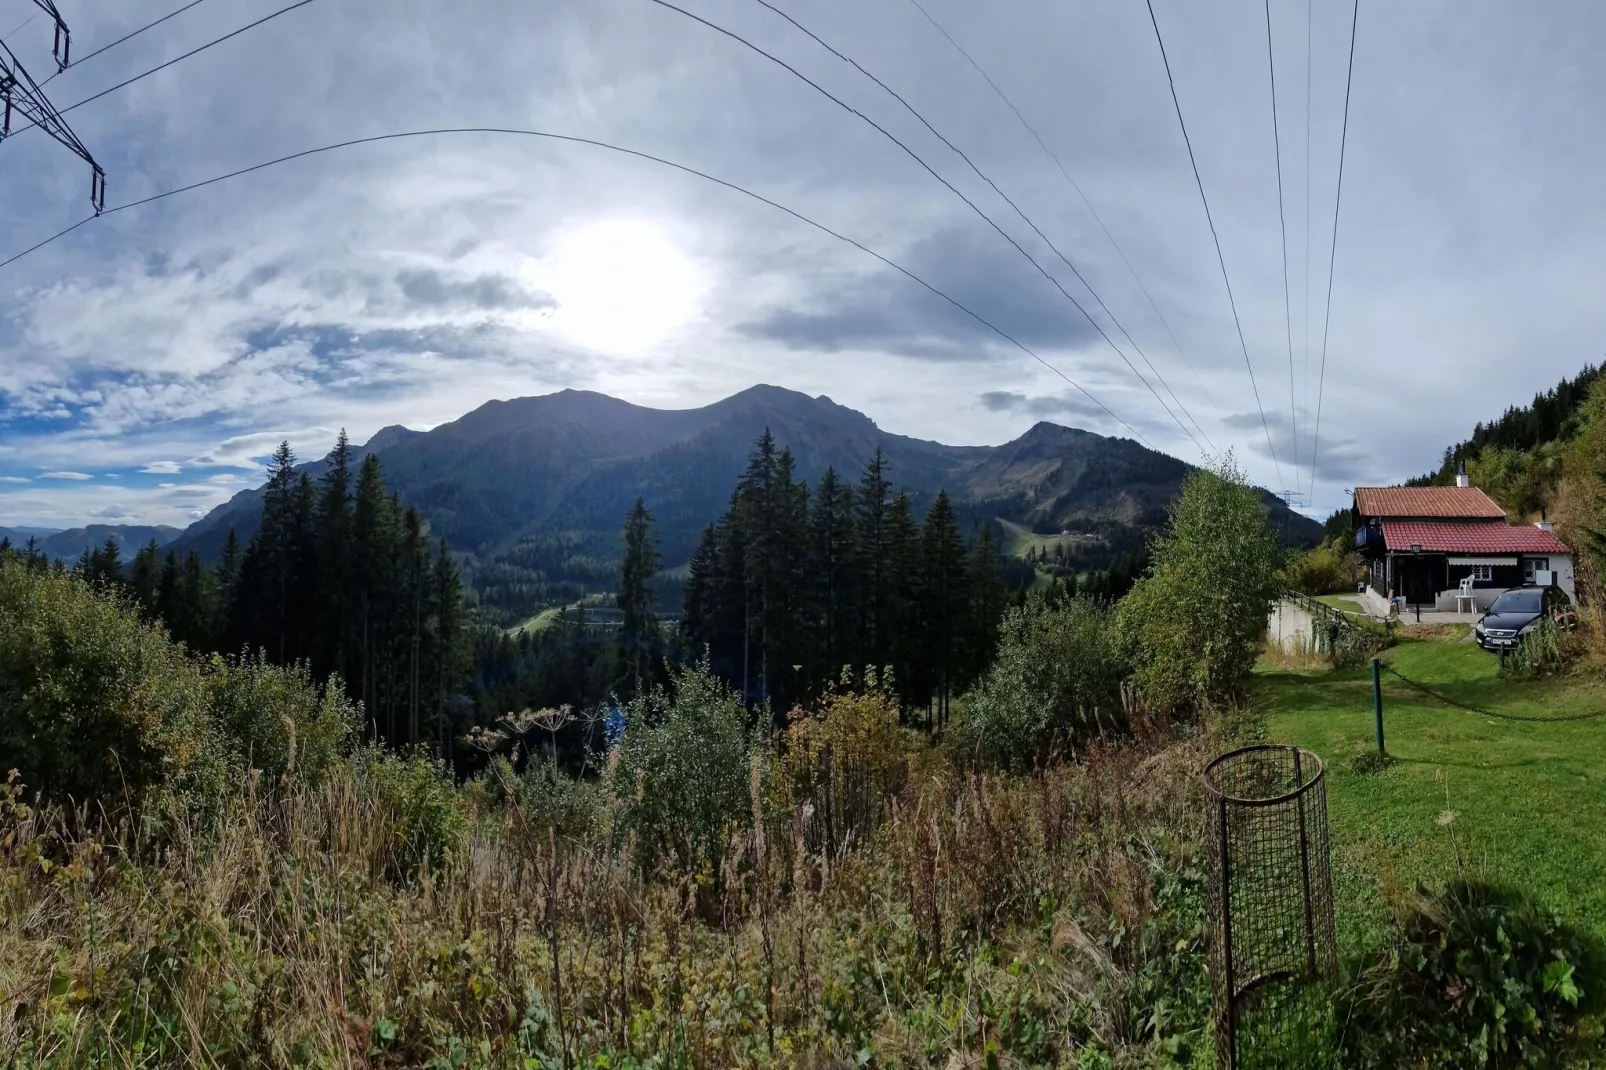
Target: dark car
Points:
(1517, 612)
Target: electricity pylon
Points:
(20, 93)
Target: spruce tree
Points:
(698, 603)
(638, 629)
(144, 574)
(986, 591)
(334, 539)
(871, 551)
(943, 559)
(831, 571)
(903, 584)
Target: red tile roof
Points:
(1472, 538)
(1468, 503)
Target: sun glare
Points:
(620, 285)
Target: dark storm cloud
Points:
(886, 311)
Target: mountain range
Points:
(517, 473)
(72, 543)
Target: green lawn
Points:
(1529, 800)
(1018, 539)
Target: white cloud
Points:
(162, 468)
(65, 475)
(15, 479)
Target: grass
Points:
(549, 616)
(1018, 539)
(1521, 803)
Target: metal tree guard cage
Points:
(1271, 906)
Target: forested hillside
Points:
(1518, 458)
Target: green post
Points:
(1377, 703)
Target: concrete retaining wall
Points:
(1290, 627)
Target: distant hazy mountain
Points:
(71, 544)
(574, 461)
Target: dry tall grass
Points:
(973, 917)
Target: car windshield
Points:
(1517, 602)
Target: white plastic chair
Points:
(1464, 594)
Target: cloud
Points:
(15, 479)
(162, 468)
(112, 512)
(1042, 405)
(1339, 459)
(490, 293)
(65, 475)
(249, 451)
(888, 312)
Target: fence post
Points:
(1377, 703)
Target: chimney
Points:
(1545, 526)
(1461, 476)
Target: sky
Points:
(150, 360)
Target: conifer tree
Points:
(871, 550)
(638, 566)
(831, 568)
(943, 559)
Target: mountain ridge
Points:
(515, 470)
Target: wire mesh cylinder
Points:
(1271, 907)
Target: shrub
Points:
(684, 771)
(1055, 681)
(1328, 569)
(416, 795)
(1477, 976)
(1193, 625)
(277, 719)
(844, 761)
(95, 705)
(1544, 651)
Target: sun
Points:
(618, 285)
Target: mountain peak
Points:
(386, 437)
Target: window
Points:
(1530, 565)
(1482, 573)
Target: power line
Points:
(24, 24)
(1030, 129)
(570, 139)
(1332, 252)
(120, 40)
(179, 59)
(1007, 200)
(950, 186)
(1220, 258)
(1282, 226)
(1304, 316)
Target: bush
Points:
(1477, 976)
(94, 705)
(1055, 681)
(684, 771)
(415, 793)
(277, 719)
(1193, 625)
(844, 762)
(1328, 569)
(1544, 651)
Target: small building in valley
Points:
(1424, 543)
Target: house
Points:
(1420, 543)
